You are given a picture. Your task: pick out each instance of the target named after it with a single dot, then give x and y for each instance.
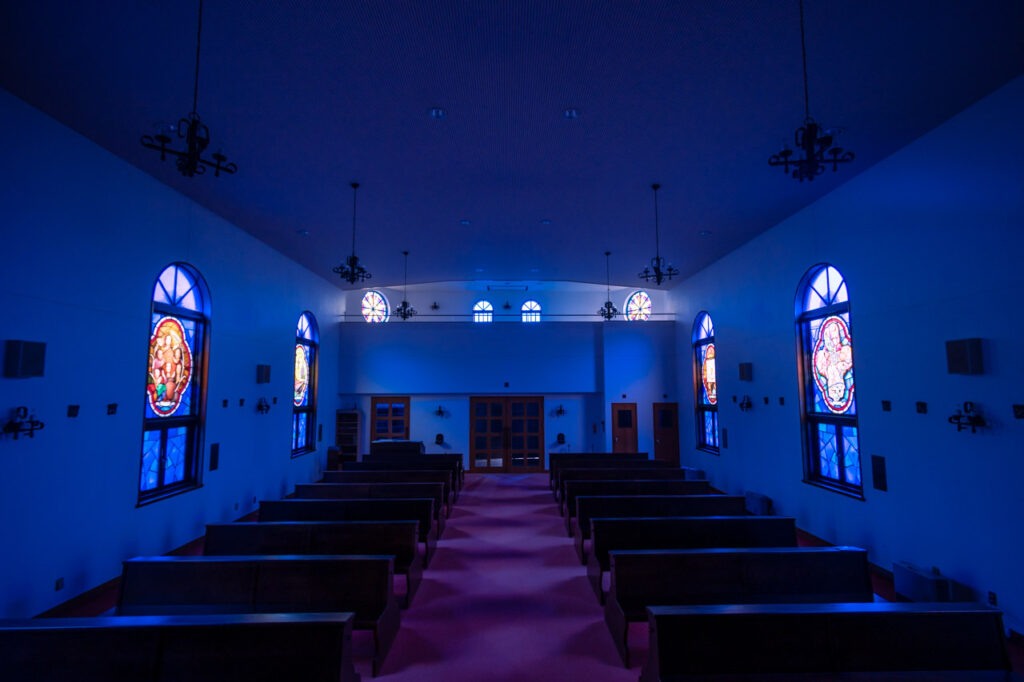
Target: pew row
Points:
(846, 641)
(644, 486)
(397, 538)
(405, 509)
(421, 461)
(314, 647)
(382, 491)
(766, 575)
(648, 469)
(621, 506)
(363, 585)
(443, 476)
(681, 532)
(585, 459)
(374, 465)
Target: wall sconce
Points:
(440, 412)
(439, 439)
(20, 423)
(435, 306)
(560, 439)
(967, 417)
(560, 412)
(262, 406)
(746, 404)
(507, 306)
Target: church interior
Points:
(518, 243)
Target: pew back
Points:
(648, 469)
(646, 486)
(594, 506)
(443, 476)
(383, 491)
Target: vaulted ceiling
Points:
(308, 95)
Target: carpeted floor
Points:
(506, 598)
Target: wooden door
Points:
(666, 432)
(506, 434)
(390, 418)
(624, 433)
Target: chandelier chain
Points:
(355, 187)
(657, 239)
(199, 33)
(803, 52)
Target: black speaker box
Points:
(24, 359)
(262, 374)
(963, 356)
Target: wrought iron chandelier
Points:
(658, 270)
(405, 311)
(190, 161)
(608, 311)
(814, 141)
(351, 270)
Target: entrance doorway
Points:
(666, 432)
(506, 434)
(624, 434)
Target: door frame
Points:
(506, 459)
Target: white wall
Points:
(84, 236)
(930, 243)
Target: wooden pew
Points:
(643, 486)
(443, 476)
(622, 506)
(384, 491)
(315, 647)
(878, 641)
(681, 532)
(650, 470)
(414, 509)
(421, 463)
(765, 575)
(176, 585)
(397, 538)
(585, 459)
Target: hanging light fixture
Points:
(608, 311)
(190, 161)
(657, 270)
(405, 311)
(814, 141)
(351, 270)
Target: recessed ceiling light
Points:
(705, 233)
(438, 113)
(303, 233)
(465, 221)
(534, 269)
(479, 269)
(571, 113)
(545, 221)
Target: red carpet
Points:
(506, 598)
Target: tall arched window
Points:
(705, 383)
(828, 406)
(307, 343)
(175, 382)
(483, 311)
(531, 311)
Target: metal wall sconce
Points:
(435, 306)
(262, 406)
(20, 423)
(746, 404)
(440, 412)
(560, 439)
(560, 412)
(439, 439)
(967, 418)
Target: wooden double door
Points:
(506, 434)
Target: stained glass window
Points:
(483, 311)
(531, 311)
(705, 383)
(307, 345)
(175, 371)
(828, 397)
(638, 306)
(375, 307)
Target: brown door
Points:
(666, 432)
(506, 434)
(390, 418)
(624, 427)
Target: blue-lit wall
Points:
(930, 242)
(84, 236)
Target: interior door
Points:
(666, 432)
(624, 432)
(506, 434)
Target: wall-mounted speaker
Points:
(963, 356)
(24, 359)
(746, 371)
(262, 374)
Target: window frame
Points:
(810, 418)
(383, 298)
(376, 400)
(698, 342)
(650, 305)
(309, 409)
(194, 422)
(530, 315)
(483, 311)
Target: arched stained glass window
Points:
(307, 346)
(483, 311)
(638, 306)
(828, 404)
(531, 311)
(375, 307)
(175, 383)
(705, 383)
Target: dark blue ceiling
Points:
(308, 95)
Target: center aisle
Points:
(505, 597)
